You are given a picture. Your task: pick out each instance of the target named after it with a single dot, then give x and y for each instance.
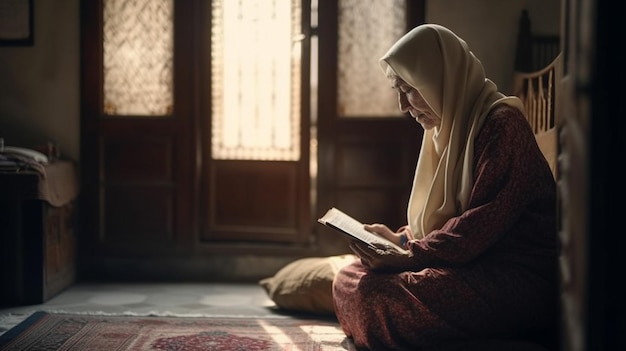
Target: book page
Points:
(342, 222)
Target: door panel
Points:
(142, 188)
(365, 162)
(139, 157)
(141, 215)
(138, 191)
(372, 169)
(255, 201)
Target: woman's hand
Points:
(381, 257)
(394, 237)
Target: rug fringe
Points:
(145, 314)
(9, 320)
(164, 314)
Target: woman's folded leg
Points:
(378, 312)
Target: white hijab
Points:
(439, 64)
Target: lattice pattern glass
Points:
(138, 57)
(256, 64)
(367, 29)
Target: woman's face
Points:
(411, 101)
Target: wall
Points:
(490, 28)
(39, 84)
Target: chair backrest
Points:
(539, 91)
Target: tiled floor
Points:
(151, 298)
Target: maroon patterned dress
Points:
(487, 276)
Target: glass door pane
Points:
(367, 28)
(256, 66)
(138, 57)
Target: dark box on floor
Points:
(37, 232)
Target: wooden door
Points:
(254, 199)
(137, 187)
(366, 164)
(153, 188)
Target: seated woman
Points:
(481, 242)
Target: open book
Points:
(343, 223)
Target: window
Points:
(367, 28)
(256, 68)
(138, 56)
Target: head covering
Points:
(439, 64)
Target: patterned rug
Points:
(52, 331)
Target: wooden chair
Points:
(536, 81)
(539, 91)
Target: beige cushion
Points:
(547, 142)
(305, 285)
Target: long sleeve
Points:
(512, 199)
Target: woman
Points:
(481, 245)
